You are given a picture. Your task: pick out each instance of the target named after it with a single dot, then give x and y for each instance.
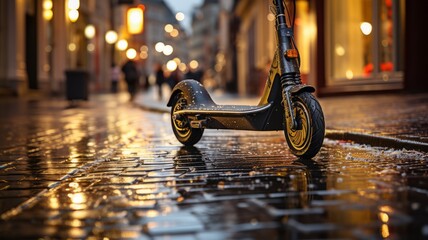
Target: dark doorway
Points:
(31, 48)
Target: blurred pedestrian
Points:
(160, 79)
(195, 74)
(115, 75)
(190, 74)
(174, 78)
(131, 77)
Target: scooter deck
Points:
(223, 110)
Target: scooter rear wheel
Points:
(306, 140)
(181, 124)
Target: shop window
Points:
(365, 40)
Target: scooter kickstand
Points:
(198, 123)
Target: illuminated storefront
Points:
(364, 44)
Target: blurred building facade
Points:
(42, 42)
(204, 43)
(39, 41)
(158, 16)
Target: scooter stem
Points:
(290, 73)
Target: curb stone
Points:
(376, 140)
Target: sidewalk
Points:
(387, 120)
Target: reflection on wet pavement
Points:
(108, 169)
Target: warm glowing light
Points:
(159, 46)
(111, 37)
(90, 31)
(194, 64)
(171, 65)
(366, 28)
(349, 74)
(385, 231)
(177, 60)
(340, 51)
(131, 53)
(168, 50)
(135, 20)
(174, 33)
(168, 28)
(76, 223)
(54, 203)
(47, 4)
(78, 198)
(383, 217)
(73, 4)
(122, 45)
(182, 67)
(179, 16)
(47, 10)
(386, 209)
(72, 47)
(73, 15)
(47, 15)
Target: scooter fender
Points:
(301, 88)
(194, 92)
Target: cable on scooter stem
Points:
(292, 21)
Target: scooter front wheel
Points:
(306, 139)
(181, 124)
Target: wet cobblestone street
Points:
(108, 169)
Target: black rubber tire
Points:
(183, 132)
(306, 141)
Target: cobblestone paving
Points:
(109, 170)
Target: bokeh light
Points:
(131, 53)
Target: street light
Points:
(135, 19)
(179, 16)
(131, 53)
(73, 13)
(122, 45)
(73, 4)
(111, 37)
(47, 10)
(171, 65)
(366, 28)
(159, 47)
(194, 64)
(168, 50)
(169, 28)
(174, 33)
(90, 31)
(182, 66)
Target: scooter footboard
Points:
(255, 123)
(193, 91)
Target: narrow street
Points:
(108, 169)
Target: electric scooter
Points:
(286, 104)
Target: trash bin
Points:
(77, 85)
